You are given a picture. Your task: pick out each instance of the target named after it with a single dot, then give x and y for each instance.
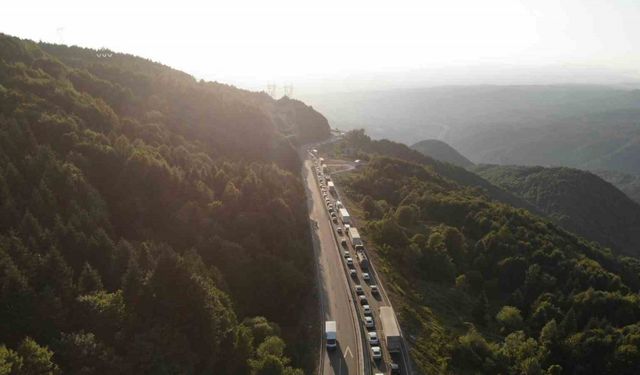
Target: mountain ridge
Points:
(577, 200)
(442, 151)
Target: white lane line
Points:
(348, 351)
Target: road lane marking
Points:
(348, 351)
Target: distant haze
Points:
(337, 46)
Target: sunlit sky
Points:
(252, 42)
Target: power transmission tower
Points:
(271, 89)
(288, 90)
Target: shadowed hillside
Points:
(441, 151)
(579, 201)
(140, 212)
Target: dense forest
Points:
(482, 287)
(579, 201)
(149, 222)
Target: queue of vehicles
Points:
(387, 318)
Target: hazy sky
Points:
(252, 42)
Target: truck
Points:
(390, 329)
(344, 215)
(332, 187)
(354, 236)
(363, 260)
(331, 334)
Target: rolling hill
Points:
(441, 151)
(579, 201)
(580, 126)
(627, 183)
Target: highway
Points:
(335, 295)
(337, 290)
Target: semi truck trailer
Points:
(354, 236)
(390, 329)
(344, 215)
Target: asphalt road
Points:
(335, 294)
(337, 287)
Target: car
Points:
(376, 353)
(365, 276)
(363, 300)
(359, 290)
(346, 254)
(350, 261)
(395, 368)
(359, 248)
(366, 310)
(373, 338)
(353, 273)
(374, 289)
(343, 243)
(339, 230)
(368, 322)
(335, 220)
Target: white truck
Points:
(344, 215)
(332, 187)
(390, 329)
(354, 236)
(331, 334)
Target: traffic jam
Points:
(361, 277)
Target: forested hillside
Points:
(485, 288)
(440, 150)
(150, 223)
(579, 201)
(358, 145)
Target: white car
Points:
(373, 339)
(359, 290)
(365, 276)
(368, 322)
(339, 230)
(366, 309)
(376, 353)
(347, 254)
(349, 261)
